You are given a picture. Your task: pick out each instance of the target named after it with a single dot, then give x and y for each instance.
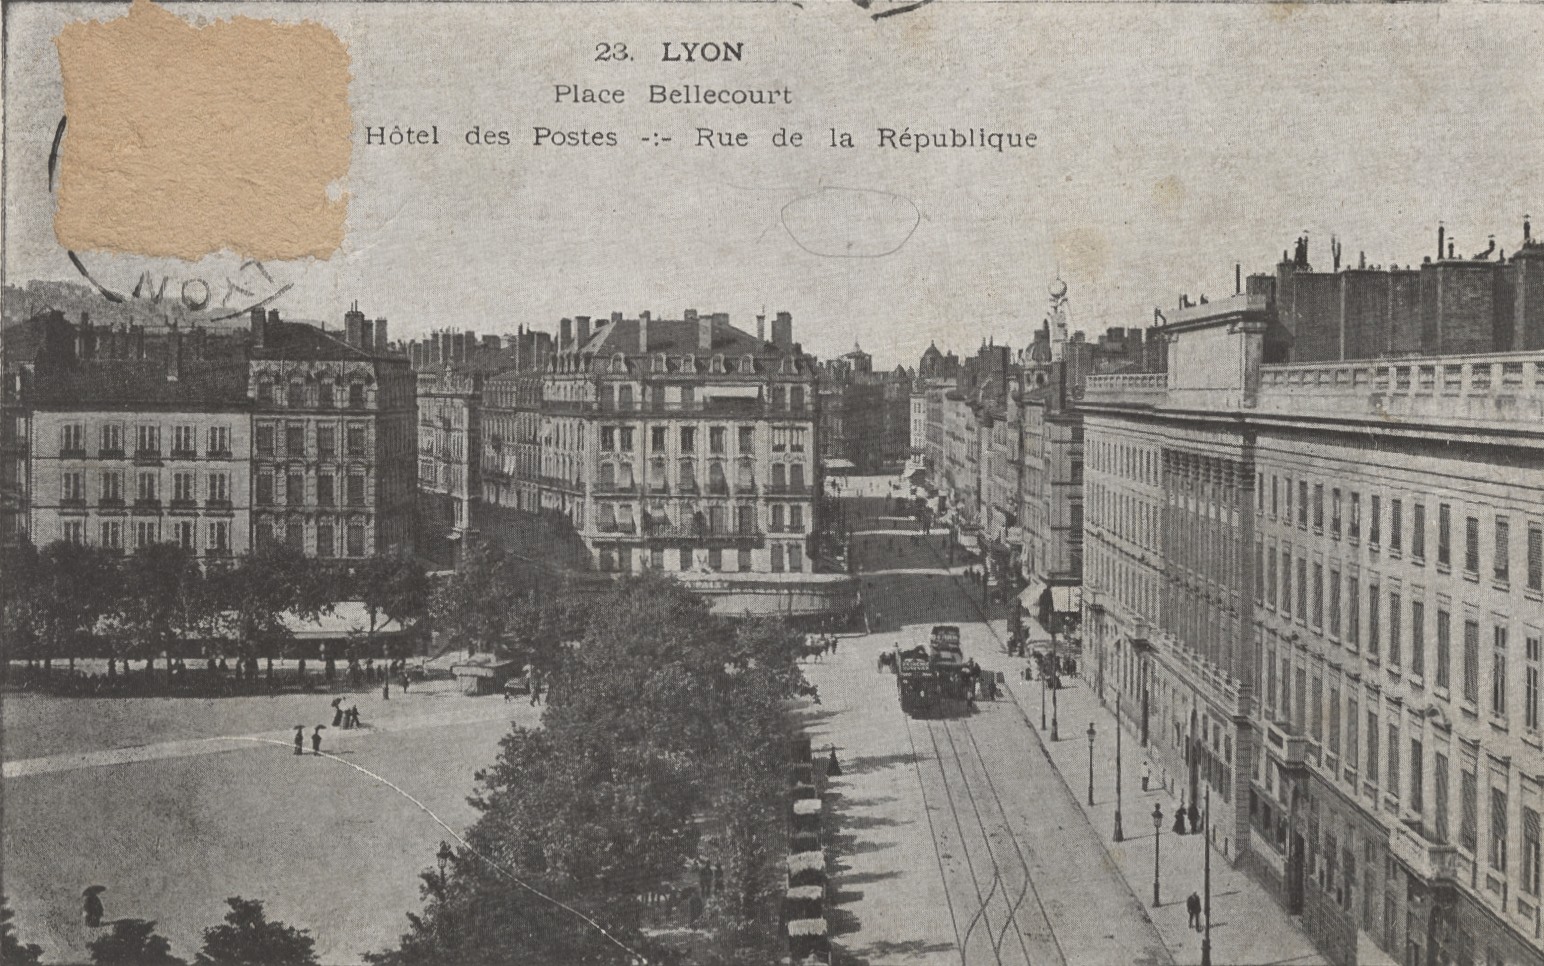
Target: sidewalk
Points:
(1248, 927)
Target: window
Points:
(743, 564)
(777, 517)
(1498, 672)
(1334, 511)
(182, 534)
(1318, 506)
(796, 518)
(657, 442)
(1275, 497)
(1353, 736)
(684, 558)
(147, 440)
(219, 440)
(112, 487)
(295, 488)
(1374, 518)
(219, 537)
(356, 539)
(747, 439)
(146, 488)
(716, 439)
(327, 441)
(1498, 829)
(1444, 535)
(1302, 504)
(1356, 516)
(1444, 649)
(1530, 878)
(1374, 632)
(356, 491)
(72, 487)
(1372, 747)
(1502, 569)
(324, 489)
(1417, 776)
(657, 558)
(1535, 557)
(1472, 661)
(112, 535)
(112, 438)
(715, 558)
(264, 441)
(265, 391)
(358, 440)
(324, 397)
(326, 542)
(1417, 637)
(687, 473)
(1270, 578)
(688, 439)
(625, 439)
(1393, 763)
(264, 487)
(777, 558)
(745, 518)
(1396, 525)
(1531, 683)
(1468, 809)
(1316, 716)
(796, 476)
(1353, 611)
(1396, 641)
(182, 488)
(1334, 602)
(295, 439)
(219, 488)
(145, 533)
(1472, 544)
(182, 440)
(1418, 531)
(1334, 705)
(608, 438)
(72, 438)
(1440, 781)
(356, 400)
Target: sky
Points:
(1172, 142)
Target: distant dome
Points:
(1057, 288)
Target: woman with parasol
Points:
(93, 905)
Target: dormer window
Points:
(718, 363)
(619, 363)
(688, 363)
(661, 364)
(747, 364)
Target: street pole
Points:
(1055, 681)
(1157, 842)
(1090, 764)
(1120, 835)
(1043, 677)
(1206, 939)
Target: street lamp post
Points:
(1055, 682)
(1043, 685)
(1090, 763)
(1157, 841)
(1120, 835)
(1206, 938)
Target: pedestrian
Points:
(337, 712)
(316, 740)
(92, 907)
(833, 769)
(1147, 773)
(385, 687)
(1195, 816)
(300, 739)
(404, 682)
(1193, 906)
(535, 689)
(1179, 818)
(833, 645)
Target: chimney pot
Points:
(584, 328)
(566, 333)
(380, 335)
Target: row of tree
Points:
(246, 937)
(68, 600)
(663, 744)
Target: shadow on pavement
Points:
(882, 953)
(865, 764)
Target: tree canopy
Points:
(248, 937)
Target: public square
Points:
(964, 840)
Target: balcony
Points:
(702, 535)
(184, 454)
(73, 503)
(186, 503)
(1432, 861)
(1291, 749)
(110, 453)
(1497, 389)
(218, 504)
(604, 488)
(111, 503)
(1132, 388)
(788, 489)
(147, 503)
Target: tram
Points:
(932, 678)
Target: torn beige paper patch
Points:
(183, 141)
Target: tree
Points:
(18, 605)
(73, 587)
(158, 580)
(14, 952)
(471, 610)
(133, 942)
(266, 585)
(248, 938)
(392, 587)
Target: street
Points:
(969, 838)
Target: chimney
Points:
(1441, 234)
(353, 324)
(380, 335)
(259, 329)
(643, 332)
(366, 335)
(761, 328)
(1451, 246)
(584, 328)
(565, 333)
(705, 332)
(782, 331)
(616, 317)
(174, 355)
(1238, 278)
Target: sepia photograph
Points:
(846, 482)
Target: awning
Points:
(1063, 599)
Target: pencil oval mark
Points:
(851, 222)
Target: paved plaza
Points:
(205, 799)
